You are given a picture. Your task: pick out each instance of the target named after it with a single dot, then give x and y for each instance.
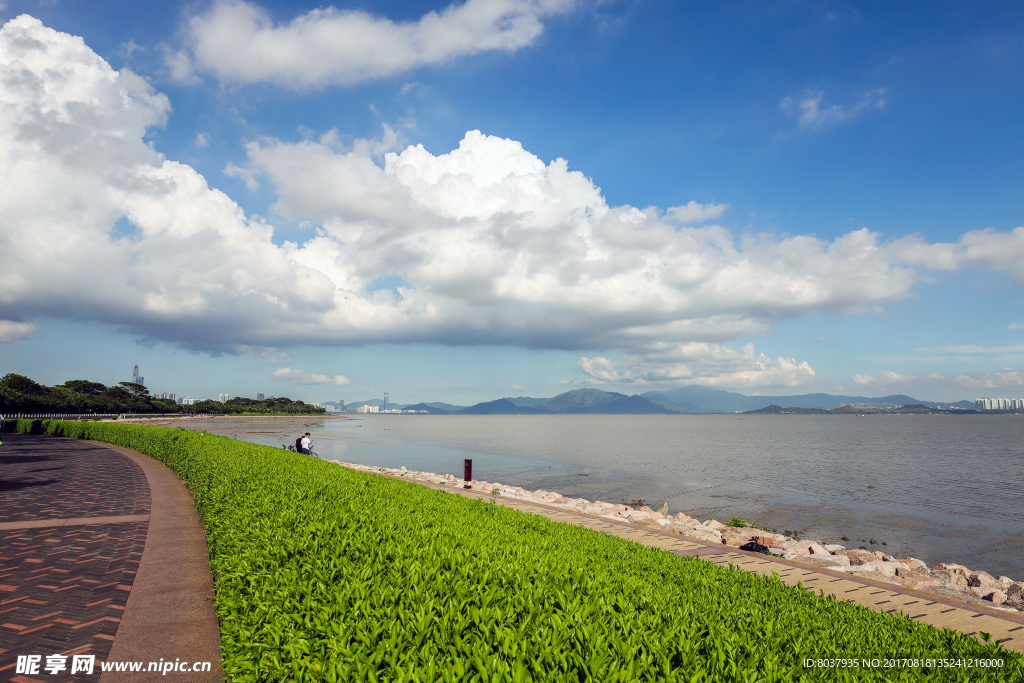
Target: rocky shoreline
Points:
(948, 579)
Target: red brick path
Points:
(44, 477)
(64, 587)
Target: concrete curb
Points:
(169, 614)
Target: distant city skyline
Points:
(979, 403)
(999, 403)
(501, 197)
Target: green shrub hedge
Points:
(327, 574)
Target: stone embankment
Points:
(954, 580)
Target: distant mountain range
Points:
(579, 401)
(431, 408)
(689, 399)
(698, 399)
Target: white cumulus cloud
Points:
(887, 378)
(484, 244)
(602, 370)
(300, 377)
(74, 170)
(13, 331)
(238, 41)
(692, 212)
(987, 249)
(699, 363)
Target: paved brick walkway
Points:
(65, 588)
(60, 478)
(101, 553)
(65, 580)
(939, 611)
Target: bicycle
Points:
(291, 448)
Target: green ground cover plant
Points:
(327, 574)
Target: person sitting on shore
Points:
(305, 443)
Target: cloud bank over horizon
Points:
(888, 381)
(296, 376)
(713, 365)
(484, 245)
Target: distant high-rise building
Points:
(259, 396)
(137, 378)
(224, 398)
(341, 406)
(998, 403)
(385, 400)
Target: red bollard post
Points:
(467, 473)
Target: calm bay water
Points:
(940, 488)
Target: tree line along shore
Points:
(19, 394)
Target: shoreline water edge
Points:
(946, 579)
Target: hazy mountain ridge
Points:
(502, 406)
(700, 399)
(425, 407)
(447, 407)
(689, 399)
(589, 401)
(526, 401)
(577, 401)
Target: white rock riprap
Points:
(945, 578)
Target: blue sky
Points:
(499, 197)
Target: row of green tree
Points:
(19, 394)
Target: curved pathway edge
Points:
(170, 613)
